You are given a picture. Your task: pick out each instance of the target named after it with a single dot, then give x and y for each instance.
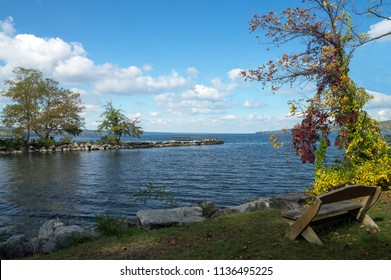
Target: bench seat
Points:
(325, 211)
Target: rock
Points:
(54, 235)
(208, 208)
(222, 212)
(256, 205)
(17, 246)
(49, 227)
(94, 147)
(151, 219)
(289, 201)
(62, 237)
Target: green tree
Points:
(40, 105)
(330, 40)
(24, 92)
(60, 111)
(116, 124)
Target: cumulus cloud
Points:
(7, 26)
(69, 64)
(200, 99)
(379, 29)
(379, 100)
(235, 74)
(380, 106)
(202, 92)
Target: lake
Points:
(77, 186)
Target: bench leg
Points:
(310, 235)
(369, 222)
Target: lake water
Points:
(77, 186)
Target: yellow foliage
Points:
(375, 172)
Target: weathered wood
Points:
(354, 200)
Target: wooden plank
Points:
(325, 210)
(304, 220)
(310, 235)
(347, 193)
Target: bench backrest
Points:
(351, 192)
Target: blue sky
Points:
(173, 64)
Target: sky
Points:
(172, 64)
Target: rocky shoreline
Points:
(73, 147)
(55, 234)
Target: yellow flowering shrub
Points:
(376, 172)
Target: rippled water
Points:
(80, 185)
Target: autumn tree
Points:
(40, 105)
(330, 40)
(117, 124)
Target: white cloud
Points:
(135, 116)
(230, 117)
(68, 63)
(379, 100)
(380, 106)
(192, 71)
(384, 115)
(7, 26)
(202, 92)
(153, 114)
(252, 104)
(235, 74)
(147, 67)
(380, 28)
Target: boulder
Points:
(49, 227)
(151, 219)
(61, 237)
(289, 201)
(17, 246)
(256, 205)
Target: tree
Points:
(330, 41)
(24, 91)
(41, 106)
(117, 124)
(60, 111)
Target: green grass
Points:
(257, 235)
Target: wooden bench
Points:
(354, 200)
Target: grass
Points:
(256, 235)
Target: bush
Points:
(373, 173)
(66, 140)
(110, 226)
(109, 139)
(11, 143)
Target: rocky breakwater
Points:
(73, 147)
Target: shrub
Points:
(108, 139)
(157, 193)
(66, 140)
(373, 172)
(11, 143)
(110, 226)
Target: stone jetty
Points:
(129, 145)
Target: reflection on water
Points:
(80, 185)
